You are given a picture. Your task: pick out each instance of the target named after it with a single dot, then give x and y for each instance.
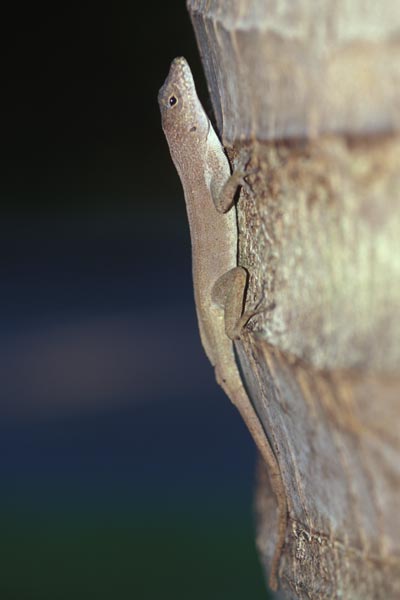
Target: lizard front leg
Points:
(224, 197)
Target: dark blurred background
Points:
(125, 472)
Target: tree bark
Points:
(307, 99)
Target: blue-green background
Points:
(125, 472)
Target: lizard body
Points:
(219, 283)
(204, 170)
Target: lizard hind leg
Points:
(229, 293)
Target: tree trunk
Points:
(307, 99)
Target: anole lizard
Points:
(219, 283)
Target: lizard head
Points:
(183, 118)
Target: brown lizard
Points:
(219, 283)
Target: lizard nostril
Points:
(193, 129)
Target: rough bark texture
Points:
(308, 95)
(279, 68)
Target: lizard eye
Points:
(172, 100)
